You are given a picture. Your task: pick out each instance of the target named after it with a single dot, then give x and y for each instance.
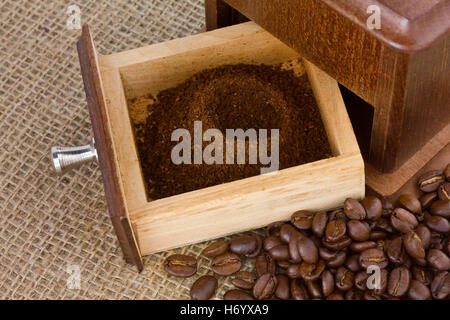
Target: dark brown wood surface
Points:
(104, 146)
(412, 9)
(412, 103)
(406, 25)
(409, 89)
(220, 15)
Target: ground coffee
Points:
(229, 97)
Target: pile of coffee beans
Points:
(334, 255)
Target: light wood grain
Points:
(162, 66)
(247, 204)
(239, 205)
(126, 154)
(182, 45)
(326, 90)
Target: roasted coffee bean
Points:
(410, 203)
(344, 279)
(418, 291)
(444, 191)
(438, 224)
(327, 283)
(353, 294)
(243, 245)
(386, 296)
(327, 254)
(311, 271)
(352, 263)
(426, 215)
(283, 290)
(237, 295)
(419, 262)
(440, 287)
(302, 219)
(381, 244)
(421, 274)
(430, 181)
(358, 230)
(377, 235)
(383, 224)
(337, 214)
(403, 220)
(384, 275)
(438, 260)
(373, 207)
(264, 264)
(421, 217)
(427, 199)
(293, 271)
(313, 289)
(258, 249)
(406, 260)
(308, 250)
(280, 252)
(369, 295)
(180, 265)
(425, 235)
(339, 245)
(265, 286)
(283, 264)
(294, 254)
(387, 204)
(447, 172)
(437, 241)
(286, 231)
(362, 246)
(394, 249)
(204, 288)
(440, 208)
(244, 280)
(373, 257)
(226, 264)
(319, 223)
(448, 245)
(298, 290)
(413, 245)
(335, 230)
(338, 261)
(361, 280)
(316, 240)
(273, 229)
(271, 242)
(373, 225)
(354, 210)
(336, 295)
(399, 282)
(216, 249)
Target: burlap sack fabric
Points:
(48, 224)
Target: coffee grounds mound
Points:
(229, 97)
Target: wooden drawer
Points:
(145, 227)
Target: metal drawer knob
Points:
(67, 158)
